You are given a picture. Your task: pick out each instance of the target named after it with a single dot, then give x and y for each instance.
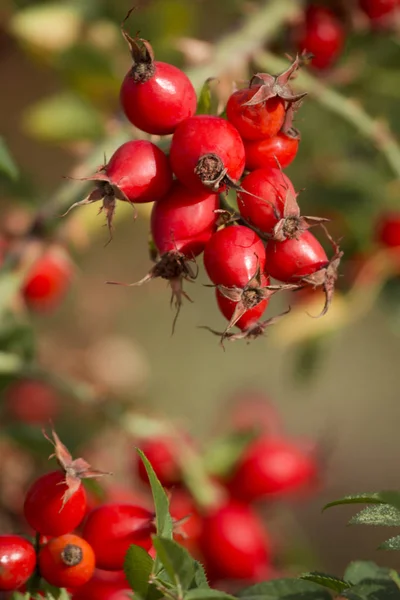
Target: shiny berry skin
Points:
(67, 561)
(202, 147)
(273, 152)
(233, 255)
(48, 281)
(44, 510)
(378, 9)
(388, 229)
(272, 466)
(17, 561)
(111, 528)
(141, 171)
(255, 122)
(323, 35)
(104, 585)
(31, 401)
(295, 258)
(184, 220)
(162, 454)
(234, 543)
(161, 103)
(250, 317)
(270, 186)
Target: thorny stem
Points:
(348, 109)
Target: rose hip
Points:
(256, 122)
(48, 281)
(279, 150)
(17, 561)
(322, 35)
(294, 259)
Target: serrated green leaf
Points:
(377, 514)
(333, 583)
(7, 164)
(222, 455)
(207, 594)
(391, 544)
(161, 503)
(362, 570)
(200, 578)
(176, 560)
(365, 498)
(64, 117)
(138, 566)
(204, 102)
(373, 590)
(285, 589)
(392, 498)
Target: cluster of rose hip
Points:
(209, 155)
(82, 538)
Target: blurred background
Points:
(107, 352)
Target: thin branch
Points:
(348, 109)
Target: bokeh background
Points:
(334, 380)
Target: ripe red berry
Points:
(295, 258)
(379, 9)
(323, 35)
(111, 528)
(162, 452)
(155, 96)
(388, 229)
(46, 510)
(206, 153)
(31, 401)
(272, 466)
(279, 150)
(137, 172)
(48, 281)
(234, 543)
(67, 561)
(183, 221)
(264, 203)
(104, 585)
(17, 561)
(187, 520)
(233, 255)
(256, 122)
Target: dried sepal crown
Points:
(75, 469)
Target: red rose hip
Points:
(295, 258)
(256, 122)
(17, 562)
(323, 35)
(279, 150)
(67, 561)
(48, 281)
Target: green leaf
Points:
(207, 594)
(178, 563)
(365, 498)
(377, 514)
(138, 566)
(392, 498)
(163, 518)
(373, 590)
(200, 578)
(391, 544)
(63, 117)
(222, 455)
(204, 102)
(10, 282)
(285, 589)
(7, 164)
(363, 570)
(333, 583)
(10, 364)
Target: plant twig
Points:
(348, 109)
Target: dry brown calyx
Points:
(249, 334)
(75, 469)
(175, 267)
(107, 191)
(142, 55)
(291, 224)
(326, 277)
(212, 173)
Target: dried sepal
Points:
(141, 52)
(327, 276)
(75, 469)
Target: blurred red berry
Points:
(323, 35)
(187, 520)
(162, 452)
(111, 528)
(104, 585)
(206, 152)
(379, 9)
(46, 510)
(31, 401)
(279, 150)
(17, 561)
(48, 281)
(256, 122)
(388, 229)
(67, 561)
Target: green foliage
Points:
(333, 583)
(377, 514)
(222, 454)
(7, 164)
(366, 498)
(138, 566)
(391, 544)
(176, 560)
(207, 102)
(285, 589)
